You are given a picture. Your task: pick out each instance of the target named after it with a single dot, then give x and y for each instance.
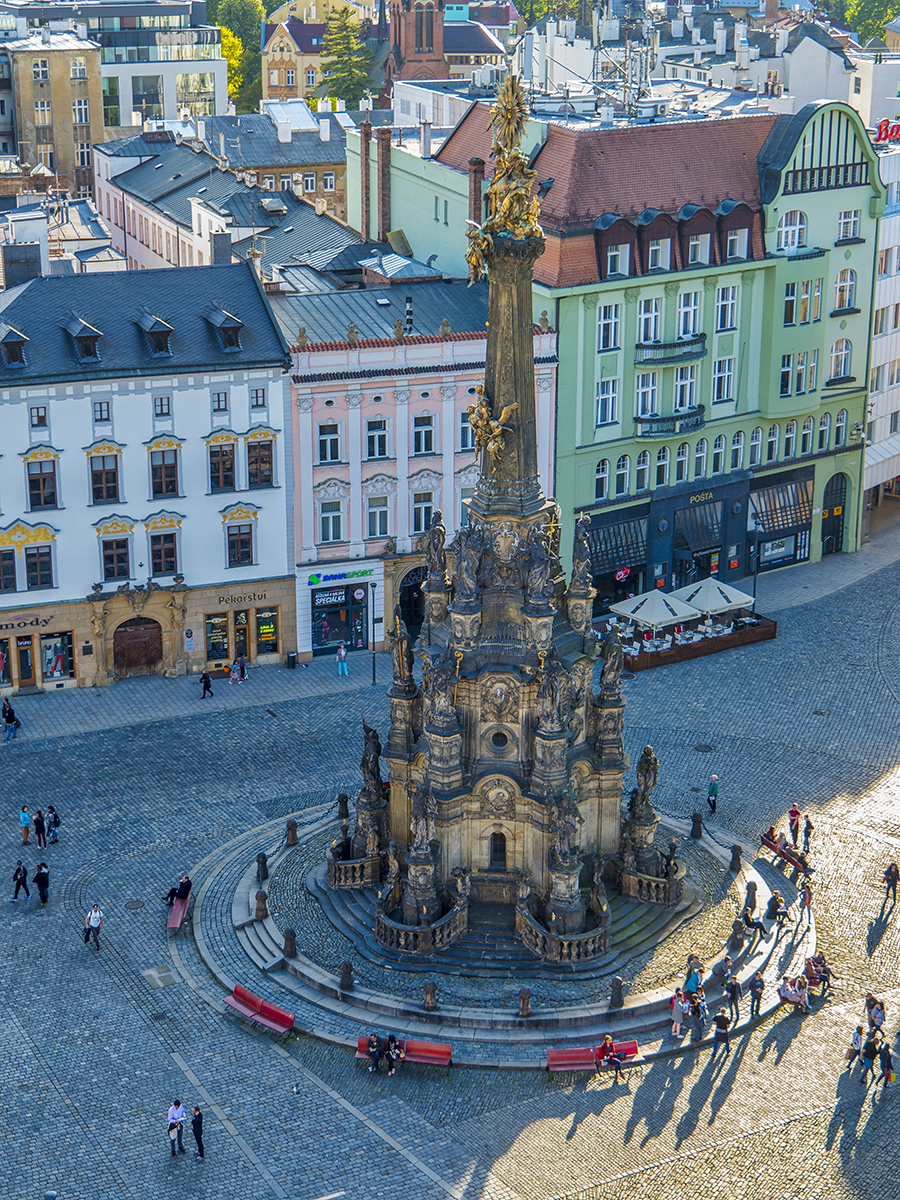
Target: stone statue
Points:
(463, 877)
(601, 900)
(548, 696)
(647, 771)
(368, 827)
(401, 649)
(538, 583)
(343, 806)
(582, 576)
(393, 865)
(555, 534)
(352, 334)
(440, 686)
(613, 660)
(371, 770)
(524, 888)
(628, 857)
(419, 822)
(565, 819)
(437, 561)
(468, 546)
(431, 815)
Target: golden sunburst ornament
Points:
(508, 114)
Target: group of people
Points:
(390, 1049)
(781, 840)
(40, 879)
(45, 826)
(177, 1117)
(872, 1045)
(688, 1005)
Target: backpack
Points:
(56, 821)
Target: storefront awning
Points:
(882, 460)
(616, 546)
(699, 527)
(784, 507)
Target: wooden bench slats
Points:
(247, 998)
(178, 913)
(258, 1010)
(430, 1053)
(786, 855)
(576, 1058)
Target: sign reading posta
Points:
(887, 131)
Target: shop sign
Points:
(623, 574)
(24, 621)
(316, 580)
(701, 498)
(887, 131)
(250, 598)
(335, 596)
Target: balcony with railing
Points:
(663, 354)
(684, 421)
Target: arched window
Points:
(623, 471)
(806, 436)
(845, 289)
(824, 431)
(681, 462)
(790, 439)
(642, 477)
(601, 480)
(756, 447)
(662, 466)
(700, 459)
(772, 444)
(840, 428)
(841, 353)
(498, 852)
(737, 450)
(719, 454)
(791, 233)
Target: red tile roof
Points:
(470, 139)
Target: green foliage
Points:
(243, 18)
(248, 98)
(233, 53)
(345, 58)
(869, 17)
(533, 11)
(269, 5)
(211, 9)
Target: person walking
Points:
(735, 994)
(869, 1054)
(177, 1117)
(805, 901)
(25, 822)
(52, 822)
(757, 987)
(207, 685)
(40, 830)
(794, 815)
(9, 718)
(712, 796)
(242, 668)
(341, 659)
(855, 1049)
(720, 1033)
(890, 878)
(808, 828)
(20, 879)
(886, 1062)
(197, 1131)
(233, 677)
(93, 923)
(41, 880)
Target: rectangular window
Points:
(257, 397)
(267, 631)
(82, 154)
(800, 380)
(310, 78)
(466, 432)
(736, 243)
(813, 369)
(38, 416)
(217, 636)
(876, 378)
(42, 484)
(42, 113)
(423, 435)
(80, 114)
(895, 421)
(7, 578)
(115, 559)
(220, 401)
(648, 320)
(110, 100)
(101, 410)
(423, 508)
(376, 439)
(40, 69)
(446, 212)
(848, 224)
(240, 545)
(617, 260)
(221, 468)
(694, 249)
(328, 181)
(309, 182)
(378, 516)
(658, 255)
(164, 472)
(268, 182)
(608, 326)
(688, 324)
(331, 521)
(289, 78)
(329, 443)
(726, 308)
(642, 475)
(273, 78)
(259, 464)
(756, 448)
(790, 303)
(884, 261)
(105, 477)
(685, 387)
(896, 317)
(78, 68)
(464, 495)
(787, 374)
(607, 401)
(879, 325)
(162, 406)
(163, 556)
(723, 380)
(45, 156)
(38, 567)
(646, 393)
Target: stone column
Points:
(421, 902)
(564, 901)
(549, 772)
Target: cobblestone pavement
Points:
(93, 1053)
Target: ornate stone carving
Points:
(499, 697)
(582, 577)
(354, 399)
(332, 489)
(370, 765)
(490, 433)
(377, 485)
(402, 395)
(497, 802)
(435, 556)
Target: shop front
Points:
(339, 602)
(781, 506)
(618, 545)
(36, 653)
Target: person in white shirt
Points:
(93, 923)
(177, 1118)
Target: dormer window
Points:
(159, 340)
(87, 347)
(157, 330)
(230, 337)
(85, 337)
(13, 343)
(229, 327)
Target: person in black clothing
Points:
(757, 987)
(20, 879)
(751, 922)
(207, 685)
(891, 876)
(720, 1033)
(776, 909)
(374, 1048)
(179, 893)
(734, 992)
(52, 822)
(41, 881)
(886, 1062)
(40, 830)
(197, 1131)
(9, 717)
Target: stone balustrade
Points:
(570, 947)
(418, 939)
(354, 872)
(650, 890)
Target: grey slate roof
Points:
(468, 37)
(251, 140)
(326, 316)
(113, 303)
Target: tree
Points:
(233, 52)
(869, 17)
(346, 59)
(243, 18)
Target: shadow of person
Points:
(587, 1102)
(877, 930)
(726, 1079)
(660, 1089)
(780, 1036)
(846, 1116)
(698, 1097)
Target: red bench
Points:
(178, 913)
(438, 1054)
(575, 1058)
(260, 1011)
(628, 1052)
(786, 854)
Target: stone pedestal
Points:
(406, 721)
(564, 908)
(538, 629)
(465, 623)
(579, 608)
(549, 773)
(445, 741)
(642, 836)
(374, 809)
(437, 598)
(609, 742)
(421, 902)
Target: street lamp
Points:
(374, 587)
(757, 531)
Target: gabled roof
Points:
(469, 37)
(301, 33)
(251, 140)
(471, 138)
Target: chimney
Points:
(721, 38)
(365, 194)
(221, 248)
(698, 53)
(476, 183)
(781, 40)
(324, 129)
(284, 131)
(771, 10)
(425, 139)
(678, 27)
(695, 35)
(383, 139)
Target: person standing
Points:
(794, 815)
(720, 1033)
(696, 1020)
(40, 830)
(234, 672)
(735, 993)
(242, 671)
(177, 1118)
(9, 718)
(207, 684)
(52, 822)
(757, 987)
(886, 1062)
(41, 881)
(341, 659)
(808, 828)
(805, 899)
(197, 1131)
(675, 1004)
(93, 923)
(25, 822)
(869, 1054)
(712, 796)
(856, 1045)
(890, 878)
(20, 879)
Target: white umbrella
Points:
(712, 596)
(655, 609)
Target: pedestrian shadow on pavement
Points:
(725, 1078)
(877, 929)
(588, 1102)
(780, 1036)
(659, 1090)
(847, 1114)
(699, 1094)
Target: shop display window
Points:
(267, 631)
(57, 659)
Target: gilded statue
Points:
(489, 433)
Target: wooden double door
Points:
(137, 647)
